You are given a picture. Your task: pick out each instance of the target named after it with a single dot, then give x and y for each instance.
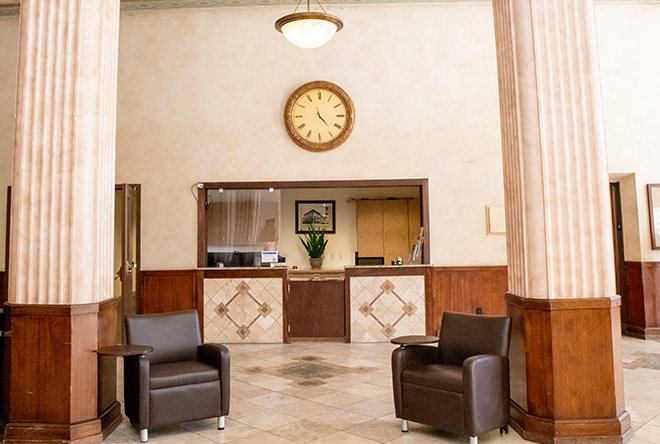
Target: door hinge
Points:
(288, 328)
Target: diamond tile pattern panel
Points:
(386, 307)
(243, 310)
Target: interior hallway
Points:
(341, 393)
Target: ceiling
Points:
(11, 7)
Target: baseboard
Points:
(110, 419)
(651, 333)
(87, 432)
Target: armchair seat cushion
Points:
(173, 374)
(437, 376)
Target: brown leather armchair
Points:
(462, 385)
(181, 380)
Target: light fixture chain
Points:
(299, 2)
(317, 1)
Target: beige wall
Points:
(201, 94)
(628, 40)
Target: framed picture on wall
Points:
(320, 213)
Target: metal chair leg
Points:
(221, 422)
(473, 439)
(144, 435)
(404, 425)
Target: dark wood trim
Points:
(422, 184)
(244, 273)
(394, 270)
(563, 304)
(4, 279)
(202, 197)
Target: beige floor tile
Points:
(372, 408)
(306, 409)
(344, 438)
(303, 431)
(233, 430)
(377, 430)
(262, 438)
(648, 433)
(340, 419)
(268, 419)
(273, 400)
(338, 399)
(355, 407)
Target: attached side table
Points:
(403, 341)
(124, 350)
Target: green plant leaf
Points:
(314, 242)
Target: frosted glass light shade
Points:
(309, 29)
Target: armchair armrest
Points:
(486, 389)
(408, 357)
(136, 390)
(217, 355)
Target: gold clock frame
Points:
(308, 144)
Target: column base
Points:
(546, 431)
(51, 378)
(567, 370)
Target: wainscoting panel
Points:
(170, 290)
(465, 290)
(643, 299)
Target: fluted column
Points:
(61, 244)
(61, 240)
(565, 357)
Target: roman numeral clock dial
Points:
(319, 116)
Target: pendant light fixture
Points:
(309, 29)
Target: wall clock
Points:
(319, 116)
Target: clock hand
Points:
(322, 119)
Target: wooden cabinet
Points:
(387, 228)
(316, 305)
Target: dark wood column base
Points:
(51, 374)
(542, 430)
(567, 371)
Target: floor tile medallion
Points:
(243, 310)
(385, 307)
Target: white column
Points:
(555, 172)
(61, 242)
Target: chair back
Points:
(463, 335)
(174, 336)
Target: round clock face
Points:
(319, 116)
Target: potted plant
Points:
(314, 242)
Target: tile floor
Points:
(341, 393)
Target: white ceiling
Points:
(11, 7)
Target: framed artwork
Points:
(320, 213)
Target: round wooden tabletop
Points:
(124, 350)
(415, 340)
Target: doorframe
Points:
(422, 184)
(619, 251)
